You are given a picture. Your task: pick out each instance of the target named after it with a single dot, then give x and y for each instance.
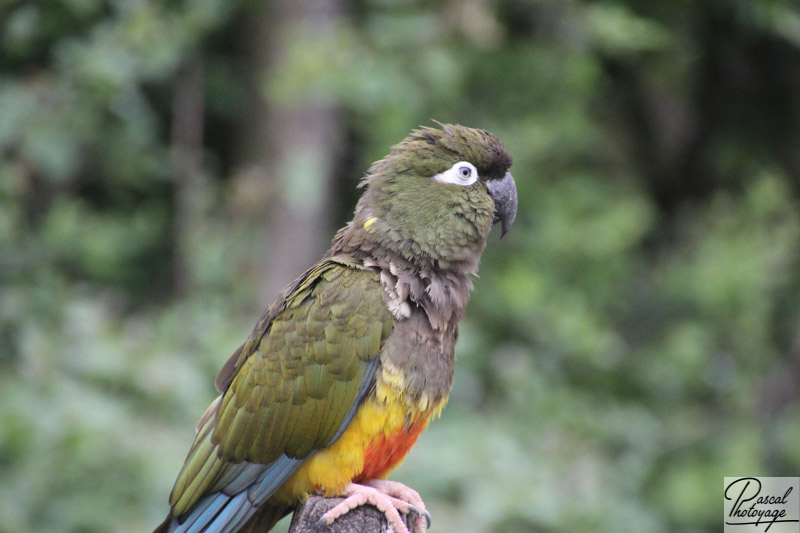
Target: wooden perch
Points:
(364, 519)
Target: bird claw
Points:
(407, 495)
(428, 519)
(414, 509)
(389, 497)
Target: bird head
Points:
(435, 197)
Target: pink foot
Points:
(389, 497)
(408, 495)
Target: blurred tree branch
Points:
(187, 153)
(288, 149)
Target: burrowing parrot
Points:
(353, 359)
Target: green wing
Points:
(292, 387)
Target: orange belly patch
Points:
(382, 431)
(386, 452)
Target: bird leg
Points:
(408, 495)
(389, 497)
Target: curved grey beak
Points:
(504, 194)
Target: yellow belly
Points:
(382, 416)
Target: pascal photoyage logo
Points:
(763, 504)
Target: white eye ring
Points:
(462, 173)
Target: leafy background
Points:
(166, 166)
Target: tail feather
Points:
(220, 513)
(251, 486)
(204, 516)
(164, 526)
(266, 518)
(213, 514)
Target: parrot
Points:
(353, 359)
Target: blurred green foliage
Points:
(633, 340)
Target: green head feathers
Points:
(428, 151)
(434, 198)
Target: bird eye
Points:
(462, 173)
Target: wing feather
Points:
(290, 389)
